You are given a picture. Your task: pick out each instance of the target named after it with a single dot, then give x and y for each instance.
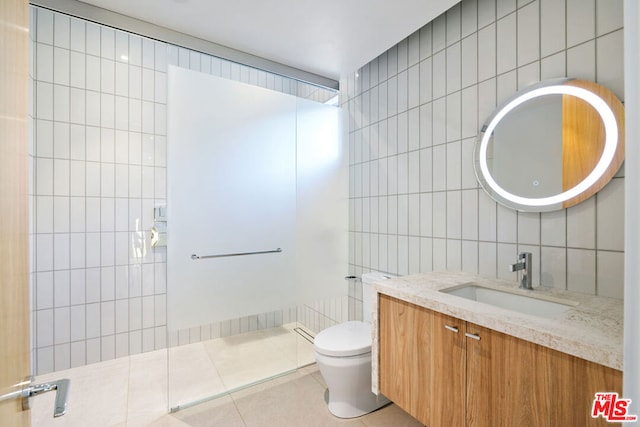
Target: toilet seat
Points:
(345, 339)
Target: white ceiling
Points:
(330, 38)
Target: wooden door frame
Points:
(14, 206)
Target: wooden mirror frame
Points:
(590, 111)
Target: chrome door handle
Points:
(29, 390)
(62, 393)
(451, 328)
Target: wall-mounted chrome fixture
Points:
(524, 265)
(195, 256)
(159, 229)
(160, 213)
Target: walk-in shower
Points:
(99, 161)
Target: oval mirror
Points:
(551, 145)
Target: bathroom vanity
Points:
(451, 350)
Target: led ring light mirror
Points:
(551, 146)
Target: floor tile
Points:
(390, 415)
(244, 359)
(192, 375)
(220, 412)
(134, 392)
(147, 388)
(98, 396)
(299, 402)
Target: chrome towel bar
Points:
(194, 256)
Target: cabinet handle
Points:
(474, 336)
(451, 328)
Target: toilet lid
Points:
(346, 339)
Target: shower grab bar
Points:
(194, 256)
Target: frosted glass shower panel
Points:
(322, 202)
(231, 189)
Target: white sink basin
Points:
(526, 304)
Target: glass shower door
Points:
(231, 247)
(255, 227)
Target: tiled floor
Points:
(297, 399)
(133, 391)
(210, 368)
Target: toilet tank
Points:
(367, 294)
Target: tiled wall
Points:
(314, 317)
(414, 113)
(99, 169)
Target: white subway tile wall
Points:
(464, 63)
(98, 148)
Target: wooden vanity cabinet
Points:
(572, 386)
(507, 381)
(405, 360)
(448, 372)
(449, 379)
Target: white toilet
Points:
(343, 353)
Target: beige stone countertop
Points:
(592, 329)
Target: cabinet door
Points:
(574, 383)
(507, 381)
(405, 355)
(448, 371)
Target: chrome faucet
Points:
(524, 264)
